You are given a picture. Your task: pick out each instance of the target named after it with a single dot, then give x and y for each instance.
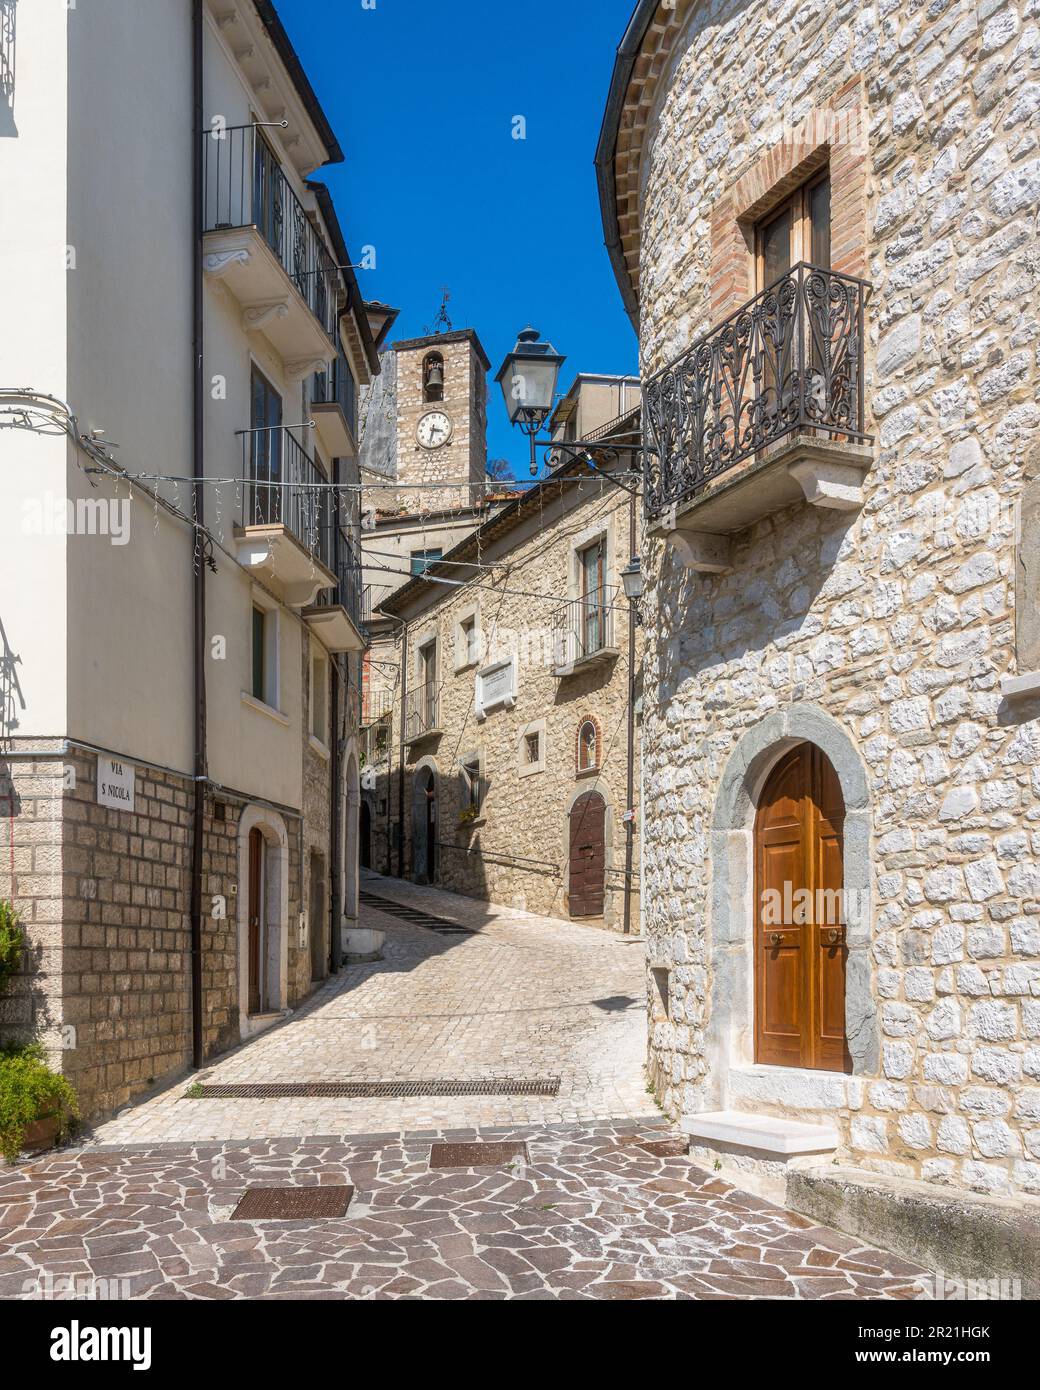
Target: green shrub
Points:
(30, 1091)
(12, 940)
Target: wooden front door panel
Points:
(254, 909)
(800, 949)
(588, 856)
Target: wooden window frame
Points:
(799, 202)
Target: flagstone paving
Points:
(522, 996)
(588, 1215)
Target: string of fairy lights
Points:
(311, 503)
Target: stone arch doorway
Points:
(263, 917)
(425, 821)
(730, 1030)
(799, 944)
(587, 856)
(365, 835)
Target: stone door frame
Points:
(276, 912)
(729, 1035)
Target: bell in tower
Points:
(433, 377)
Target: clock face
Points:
(434, 430)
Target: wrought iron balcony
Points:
(790, 362)
(283, 486)
(421, 712)
(583, 631)
(256, 223)
(375, 742)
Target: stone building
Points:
(179, 770)
(823, 224)
(500, 768)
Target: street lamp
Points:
(528, 380)
(632, 579)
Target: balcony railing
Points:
(282, 486)
(584, 628)
(245, 186)
(337, 384)
(375, 742)
(378, 705)
(421, 710)
(791, 360)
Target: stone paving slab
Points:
(590, 1215)
(526, 995)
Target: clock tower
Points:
(438, 419)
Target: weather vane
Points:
(441, 323)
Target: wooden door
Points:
(254, 909)
(588, 856)
(800, 951)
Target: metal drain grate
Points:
(292, 1203)
(476, 1155)
(376, 1090)
(414, 917)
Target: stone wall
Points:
(103, 895)
(516, 852)
(897, 622)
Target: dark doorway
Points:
(365, 836)
(431, 829)
(319, 954)
(588, 856)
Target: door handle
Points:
(775, 938)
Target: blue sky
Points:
(422, 95)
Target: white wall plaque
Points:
(496, 686)
(115, 784)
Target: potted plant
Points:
(37, 1105)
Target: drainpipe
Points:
(336, 810)
(630, 825)
(199, 565)
(400, 770)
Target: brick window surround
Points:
(598, 750)
(834, 135)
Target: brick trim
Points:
(834, 134)
(598, 762)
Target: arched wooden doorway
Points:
(588, 856)
(365, 836)
(800, 949)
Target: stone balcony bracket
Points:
(799, 468)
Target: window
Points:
(467, 641)
(588, 746)
(473, 785)
(264, 679)
(423, 559)
(319, 698)
(426, 695)
(433, 378)
(532, 749)
(263, 500)
(592, 573)
(799, 230)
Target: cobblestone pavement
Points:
(525, 996)
(588, 1214)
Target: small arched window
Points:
(433, 378)
(588, 746)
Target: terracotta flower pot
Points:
(41, 1134)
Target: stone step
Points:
(763, 1133)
